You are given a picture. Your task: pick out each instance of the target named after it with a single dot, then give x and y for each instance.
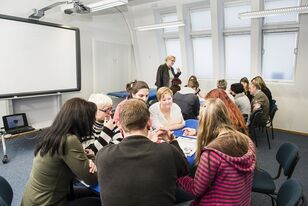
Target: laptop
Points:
(16, 123)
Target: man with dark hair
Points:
(139, 171)
(188, 101)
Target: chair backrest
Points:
(290, 193)
(192, 123)
(273, 112)
(6, 192)
(287, 156)
(256, 118)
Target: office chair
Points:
(290, 194)
(257, 122)
(6, 192)
(287, 156)
(272, 113)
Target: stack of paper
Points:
(188, 145)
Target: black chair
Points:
(290, 194)
(6, 192)
(272, 113)
(287, 156)
(256, 122)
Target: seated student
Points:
(222, 84)
(105, 130)
(245, 82)
(259, 100)
(136, 89)
(59, 156)
(188, 101)
(264, 89)
(165, 113)
(225, 159)
(241, 100)
(139, 171)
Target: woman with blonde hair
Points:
(165, 72)
(264, 88)
(165, 113)
(225, 160)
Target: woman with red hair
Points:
(236, 116)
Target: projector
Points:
(75, 7)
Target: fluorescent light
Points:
(274, 12)
(105, 4)
(160, 26)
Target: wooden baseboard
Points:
(291, 132)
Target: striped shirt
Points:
(221, 179)
(101, 137)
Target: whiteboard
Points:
(38, 57)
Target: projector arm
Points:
(37, 14)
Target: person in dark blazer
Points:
(259, 100)
(166, 73)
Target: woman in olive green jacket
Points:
(59, 156)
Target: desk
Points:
(4, 137)
(124, 94)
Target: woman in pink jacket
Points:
(225, 160)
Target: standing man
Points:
(139, 171)
(166, 73)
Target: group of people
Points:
(133, 154)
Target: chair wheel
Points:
(5, 159)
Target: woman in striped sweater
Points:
(105, 130)
(225, 160)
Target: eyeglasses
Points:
(108, 110)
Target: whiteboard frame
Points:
(78, 58)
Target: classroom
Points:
(53, 52)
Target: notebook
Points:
(16, 123)
(188, 145)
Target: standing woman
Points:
(244, 81)
(136, 89)
(59, 156)
(166, 73)
(165, 113)
(225, 160)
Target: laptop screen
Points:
(14, 121)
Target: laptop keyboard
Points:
(20, 130)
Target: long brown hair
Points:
(216, 131)
(76, 117)
(235, 114)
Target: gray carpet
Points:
(20, 152)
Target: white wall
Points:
(108, 28)
(292, 98)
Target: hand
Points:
(178, 70)
(154, 136)
(165, 134)
(89, 152)
(189, 132)
(109, 123)
(92, 167)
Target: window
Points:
(279, 55)
(237, 55)
(236, 40)
(274, 4)
(203, 63)
(200, 19)
(173, 47)
(170, 17)
(231, 13)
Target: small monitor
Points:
(15, 121)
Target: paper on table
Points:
(188, 145)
